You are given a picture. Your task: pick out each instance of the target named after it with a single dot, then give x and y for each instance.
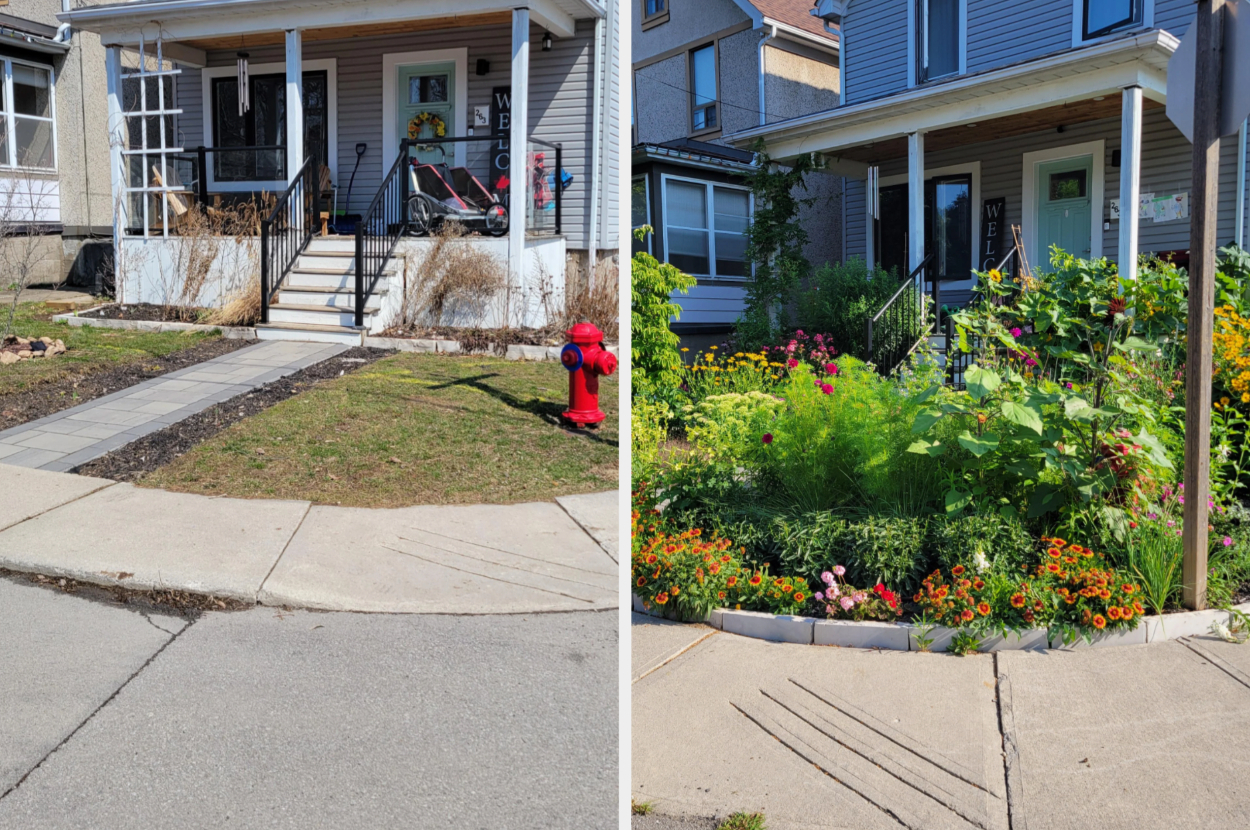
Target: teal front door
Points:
(1064, 207)
(427, 107)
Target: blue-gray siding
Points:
(876, 49)
(561, 90)
(1006, 33)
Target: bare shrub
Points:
(454, 284)
(23, 201)
(205, 236)
(595, 300)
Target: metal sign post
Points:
(1208, 80)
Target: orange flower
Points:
(957, 570)
(1057, 542)
(1126, 613)
(983, 609)
(661, 598)
(1114, 612)
(1104, 593)
(720, 594)
(978, 585)
(652, 559)
(1138, 608)
(1053, 553)
(1099, 621)
(967, 615)
(787, 588)
(1128, 588)
(642, 580)
(757, 579)
(1017, 600)
(799, 597)
(733, 580)
(1053, 567)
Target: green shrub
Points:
(886, 550)
(648, 429)
(982, 543)
(839, 299)
(726, 427)
(655, 360)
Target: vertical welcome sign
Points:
(501, 130)
(992, 218)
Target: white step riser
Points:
(328, 281)
(327, 263)
(328, 300)
(329, 317)
(341, 244)
(346, 338)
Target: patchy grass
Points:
(743, 821)
(411, 429)
(90, 349)
(640, 808)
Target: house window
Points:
(705, 227)
(26, 117)
(938, 31)
(1102, 17)
(640, 211)
(654, 12)
(703, 115)
(264, 125)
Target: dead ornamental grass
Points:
(454, 284)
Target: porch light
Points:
(245, 95)
(546, 41)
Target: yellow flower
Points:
(995, 275)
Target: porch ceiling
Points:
(1028, 95)
(209, 44)
(1076, 112)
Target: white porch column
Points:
(117, 162)
(519, 193)
(294, 103)
(1130, 179)
(915, 200)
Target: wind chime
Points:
(245, 91)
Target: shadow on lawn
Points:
(547, 411)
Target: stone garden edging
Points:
(902, 636)
(228, 332)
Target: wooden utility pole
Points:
(1204, 204)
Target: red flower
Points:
(957, 570)
(792, 363)
(878, 589)
(768, 438)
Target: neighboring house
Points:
(961, 118)
(54, 175)
(705, 69)
(367, 74)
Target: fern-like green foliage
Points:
(656, 361)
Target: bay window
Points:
(27, 120)
(705, 227)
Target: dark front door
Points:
(948, 228)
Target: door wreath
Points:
(437, 124)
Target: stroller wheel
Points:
(420, 217)
(496, 220)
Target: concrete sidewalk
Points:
(71, 437)
(823, 737)
(481, 559)
(119, 719)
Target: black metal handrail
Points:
(380, 227)
(894, 331)
(287, 230)
(957, 360)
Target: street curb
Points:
(228, 332)
(902, 636)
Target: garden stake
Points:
(1208, 74)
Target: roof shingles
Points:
(796, 13)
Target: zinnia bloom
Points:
(827, 388)
(792, 363)
(768, 438)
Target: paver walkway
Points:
(75, 436)
(822, 737)
(454, 559)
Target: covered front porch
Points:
(226, 119)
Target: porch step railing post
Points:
(560, 188)
(264, 270)
(202, 174)
(405, 182)
(360, 273)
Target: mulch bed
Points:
(47, 399)
(181, 602)
(133, 461)
(480, 340)
(147, 312)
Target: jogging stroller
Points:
(440, 193)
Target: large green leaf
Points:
(1158, 454)
(925, 448)
(1024, 415)
(978, 445)
(957, 500)
(1136, 344)
(1078, 409)
(981, 382)
(1047, 498)
(925, 419)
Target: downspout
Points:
(1241, 185)
(764, 42)
(592, 242)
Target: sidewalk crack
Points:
(1012, 773)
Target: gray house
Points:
(703, 70)
(54, 180)
(961, 118)
(305, 108)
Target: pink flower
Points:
(839, 570)
(831, 368)
(792, 363)
(819, 596)
(1016, 332)
(826, 578)
(1228, 541)
(827, 388)
(767, 438)
(800, 333)
(833, 590)
(847, 603)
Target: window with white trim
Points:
(27, 116)
(1100, 18)
(640, 211)
(705, 227)
(938, 39)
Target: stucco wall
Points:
(796, 85)
(739, 81)
(688, 22)
(663, 107)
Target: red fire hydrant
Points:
(586, 359)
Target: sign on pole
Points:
(1235, 86)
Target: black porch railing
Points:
(897, 328)
(379, 229)
(286, 232)
(237, 165)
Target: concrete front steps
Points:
(317, 300)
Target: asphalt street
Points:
(114, 717)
